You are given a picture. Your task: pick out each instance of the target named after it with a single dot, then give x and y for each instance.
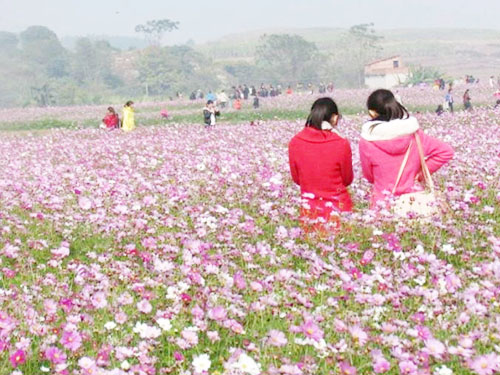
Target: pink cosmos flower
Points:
(368, 256)
(190, 336)
(312, 330)
(99, 300)
(424, 333)
(217, 313)
(61, 252)
(71, 340)
(17, 358)
(435, 348)
(276, 338)
(197, 312)
(84, 203)
(347, 369)
(178, 356)
(486, 364)
(358, 335)
(144, 306)
(381, 365)
(407, 368)
(239, 280)
(55, 355)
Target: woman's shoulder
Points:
(386, 130)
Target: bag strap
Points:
(425, 170)
(402, 168)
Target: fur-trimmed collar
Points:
(386, 130)
(325, 125)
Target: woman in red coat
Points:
(321, 164)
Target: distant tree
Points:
(8, 41)
(287, 57)
(170, 69)
(154, 30)
(243, 72)
(43, 96)
(41, 47)
(423, 74)
(92, 61)
(357, 47)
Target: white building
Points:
(386, 73)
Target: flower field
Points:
(174, 250)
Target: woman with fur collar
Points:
(385, 139)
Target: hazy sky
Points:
(203, 20)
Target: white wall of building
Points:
(385, 81)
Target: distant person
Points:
(439, 110)
(442, 84)
(192, 96)
(467, 100)
(321, 164)
(128, 123)
(237, 104)
(253, 91)
(211, 96)
(111, 120)
(497, 104)
(256, 102)
(310, 87)
(448, 99)
(386, 139)
(210, 113)
(289, 90)
(246, 92)
(164, 114)
(222, 99)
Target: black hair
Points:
(210, 102)
(129, 103)
(322, 110)
(111, 109)
(387, 107)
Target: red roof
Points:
(386, 59)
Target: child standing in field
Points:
(128, 122)
(449, 100)
(210, 114)
(386, 139)
(255, 102)
(467, 100)
(321, 164)
(111, 120)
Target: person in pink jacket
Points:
(384, 142)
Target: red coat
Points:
(321, 164)
(111, 120)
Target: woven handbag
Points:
(421, 203)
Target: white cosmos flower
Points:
(164, 324)
(443, 370)
(201, 363)
(246, 365)
(110, 326)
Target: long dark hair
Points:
(322, 110)
(387, 107)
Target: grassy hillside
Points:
(454, 51)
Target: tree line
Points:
(36, 69)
